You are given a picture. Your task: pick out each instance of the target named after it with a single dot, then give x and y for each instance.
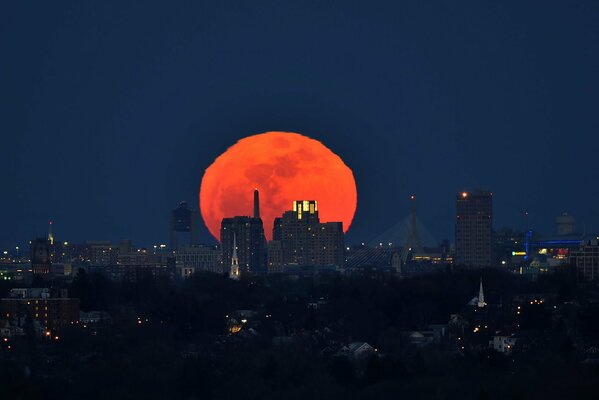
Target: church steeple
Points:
(481, 295)
(234, 271)
(50, 234)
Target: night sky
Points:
(109, 113)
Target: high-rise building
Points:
(102, 253)
(585, 260)
(565, 224)
(274, 256)
(307, 241)
(184, 226)
(474, 224)
(277, 233)
(41, 263)
(246, 234)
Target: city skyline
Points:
(299, 199)
(414, 102)
(552, 224)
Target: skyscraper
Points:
(474, 224)
(184, 226)
(307, 241)
(246, 235)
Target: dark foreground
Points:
(276, 338)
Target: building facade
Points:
(585, 260)
(247, 233)
(200, 258)
(243, 237)
(41, 263)
(51, 309)
(183, 226)
(307, 241)
(275, 257)
(473, 231)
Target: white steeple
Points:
(481, 295)
(50, 234)
(234, 271)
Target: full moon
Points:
(283, 166)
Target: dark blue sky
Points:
(109, 113)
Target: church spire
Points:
(50, 234)
(481, 295)
(234, 271)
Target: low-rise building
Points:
(503, 342)
(53, 309)
(196, 258)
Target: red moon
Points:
(283, 166)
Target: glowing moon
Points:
(283, 166)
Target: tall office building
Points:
(474, 224)
(307, 241)
(184, 226)
(274, 256)
(41, 263)
(277, 233)
(246, 234)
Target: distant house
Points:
(357, 350)
(284, 340)
(434, 334)
(503, 342)
(420, 339)
(238, 319)
(8, 330)
(591, 354)
(94, 317)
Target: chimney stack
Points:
(256, 204)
